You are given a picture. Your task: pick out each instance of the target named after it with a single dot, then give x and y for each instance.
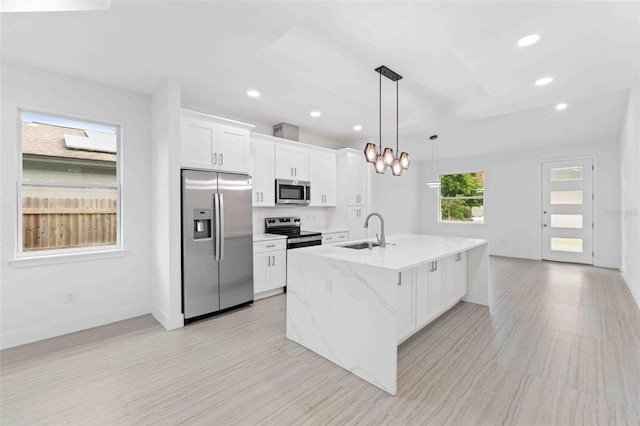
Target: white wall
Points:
(512, 199)
(396, 199)
(630, 189)
(107, 290)
(166, 262)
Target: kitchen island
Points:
(354, 307)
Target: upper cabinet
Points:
(356, 179)
(322, 175)
(263, 153)
(291, 163)
(214, 143)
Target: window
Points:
(69, 191)
(462, 197)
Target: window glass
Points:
(462, 197)
(572, 245)
(566, 197)
(69, 189)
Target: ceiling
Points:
(459, 60)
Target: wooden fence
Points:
(50, 223)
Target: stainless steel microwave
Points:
(293, 192)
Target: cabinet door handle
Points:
(221, 158)
(291, 171)
(269, 261)
(458, 257)
(274, 261)
(295, 171)
(434, 266)
(257, 196)
(399, 278)
(215, 158)
(262, 196)
(271, 245)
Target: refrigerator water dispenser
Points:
(202, 224)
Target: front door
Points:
(567, 211)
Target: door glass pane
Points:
(566, 221)
(564, 174)
(573, 245)
(566, 197)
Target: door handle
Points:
(216, 216)
(458, 257)
(269, 259)
(545, 225)
(295, 171)
(221, 216)
(214, 158)
(274, 261)
(262, 196)
(221, 159)
(291, 171)
(257, 196)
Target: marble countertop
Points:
(404, 251)
(267, 237)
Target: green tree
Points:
(460, 185)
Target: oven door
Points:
(293, 192)
(294, 243)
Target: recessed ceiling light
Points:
(544, 81)
(357, 127)
(253, 93)
(528, 40)
(315, 113)
(561, 106)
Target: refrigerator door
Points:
(236, 244)
(200, 292)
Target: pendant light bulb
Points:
(371, 152)
(405, 161)
(380, 165)
(388, 156)
(396, 169)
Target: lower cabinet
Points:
(269, 267)
(427, 291)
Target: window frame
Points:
(440, 198)
(71, 252)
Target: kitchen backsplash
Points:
(312, 217)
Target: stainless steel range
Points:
(290, 226)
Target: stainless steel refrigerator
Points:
(217, 242)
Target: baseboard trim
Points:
(268, 293)
(30, 335)
(169, 323)
(515, 256)
(635, 294)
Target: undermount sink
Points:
(360, 246)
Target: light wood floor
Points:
(560, 345)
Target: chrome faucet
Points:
(380, 239)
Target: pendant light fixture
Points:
(433, 181)
(376, 155)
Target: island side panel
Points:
(478, 275)
(344, 312)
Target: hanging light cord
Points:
(397, 118)
(380, 112)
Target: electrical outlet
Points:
(70, 297)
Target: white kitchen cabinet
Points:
(322, 175)
(448, 272)
(198, 139)
(356, 179)
(355, 225)
(263, 174)
(208, 143)
(460, 274)
(334, 238)
(232, 149)
(291, 163)
(406, 305)
(269, 265)
(429, 291)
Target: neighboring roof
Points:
(49, 141)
